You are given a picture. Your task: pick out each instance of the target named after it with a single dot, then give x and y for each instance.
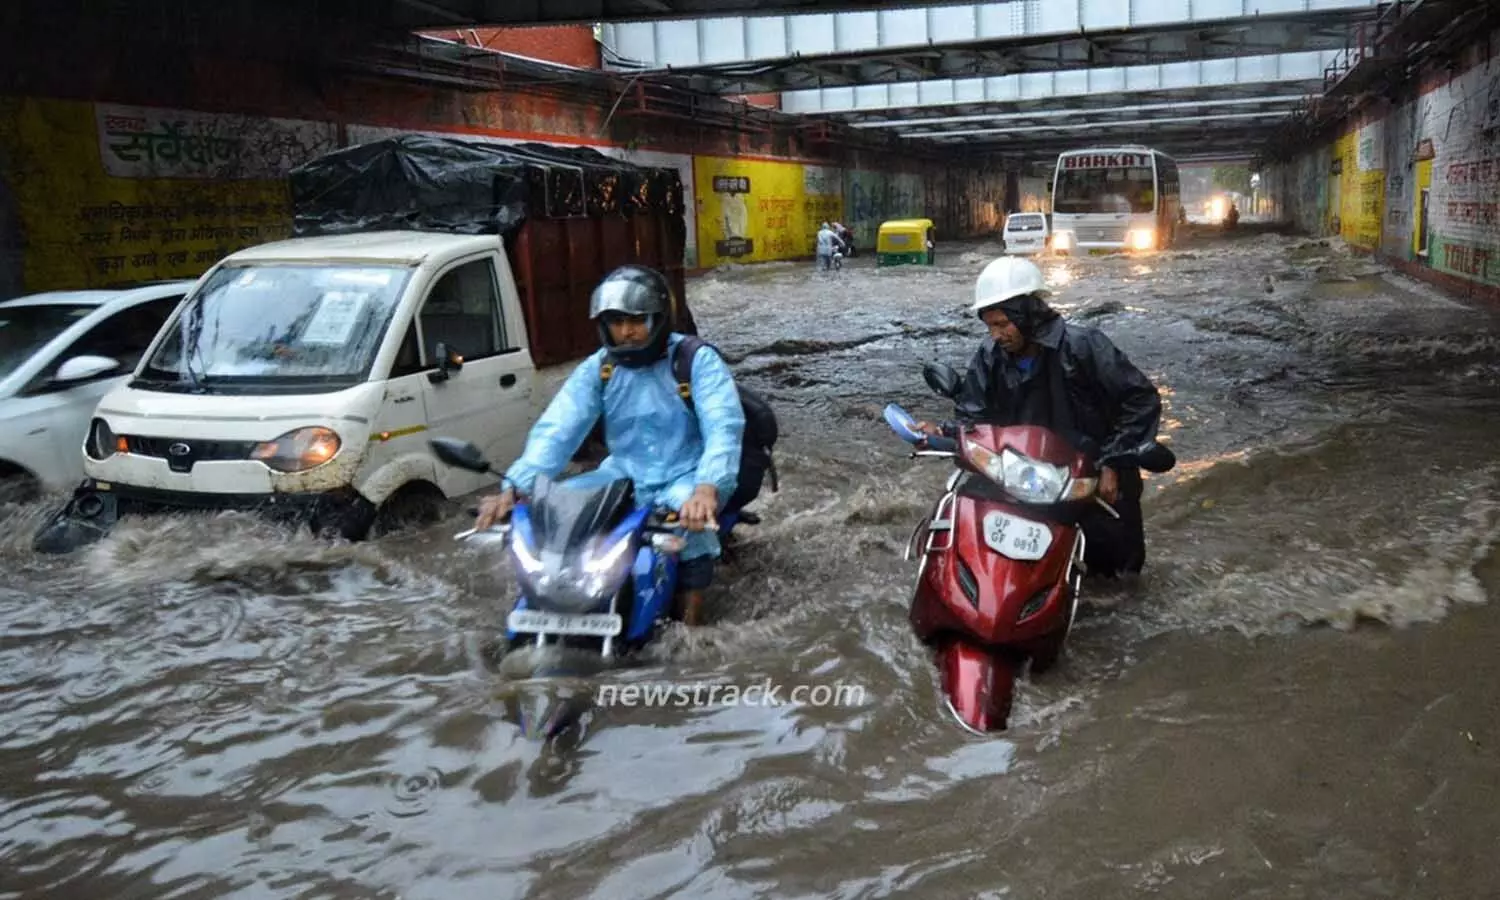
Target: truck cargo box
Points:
(567, 217)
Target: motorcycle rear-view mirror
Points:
(1156, 457)
(942, 379)
(459, 454)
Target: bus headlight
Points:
(1141, 239)
(1062, 240)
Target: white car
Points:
(61, 352)
(1025, 233)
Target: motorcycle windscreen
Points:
(565, 518)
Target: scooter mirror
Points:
(1156, 457)
(942, 379)
(459, 454)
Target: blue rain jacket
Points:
(653, 440)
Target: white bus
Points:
(1115, 198)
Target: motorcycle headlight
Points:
(579, 585)
(524, 557)
(300, 450)
(1026, 479)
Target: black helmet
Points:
(634, 291)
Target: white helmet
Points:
(1005, 278)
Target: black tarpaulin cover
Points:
(428, 183)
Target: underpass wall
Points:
(1414, 179)
(111, 175)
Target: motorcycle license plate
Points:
(1016, 538)
(535, 621)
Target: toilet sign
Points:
(1124, 160)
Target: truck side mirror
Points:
(449, 362)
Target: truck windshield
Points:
(264, 324)
(26, 329)
(1116, 189)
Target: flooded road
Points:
(1298, 699)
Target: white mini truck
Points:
(315, 372)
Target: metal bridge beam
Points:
(784, 53)
(1062, 89)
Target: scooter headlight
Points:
(1026, 479)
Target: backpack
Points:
(761, 429)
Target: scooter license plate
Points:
(535, 621)
(1015, 537)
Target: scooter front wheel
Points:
(1049, 651)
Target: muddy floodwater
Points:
(1299, 698)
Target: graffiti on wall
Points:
(875, 197)
(759, 210)
(108, 195)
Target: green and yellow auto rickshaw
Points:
(905, 242)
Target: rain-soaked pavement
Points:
(1298, 700)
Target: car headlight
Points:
(102, 443)
(1141, 238)
(300, 450)
(1030, 480)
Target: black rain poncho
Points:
(1081, 385)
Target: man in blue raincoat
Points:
(684, 459)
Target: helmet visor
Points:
(629, 297)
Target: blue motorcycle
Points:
(594, 571)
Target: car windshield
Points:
(1032, 222)
(26, 329)
(294, 324)
(1116, 189)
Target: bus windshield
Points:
(1114, 189)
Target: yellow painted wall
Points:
(1361, 196)
(108, 195)
(758, 210)
(1420, 222)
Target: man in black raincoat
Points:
(1037, 369)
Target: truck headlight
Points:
(300, 450)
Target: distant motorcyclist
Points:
(828, 242)
(685, 460)
(846, 238)
(1037, 369)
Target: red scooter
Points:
(1001, 555)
